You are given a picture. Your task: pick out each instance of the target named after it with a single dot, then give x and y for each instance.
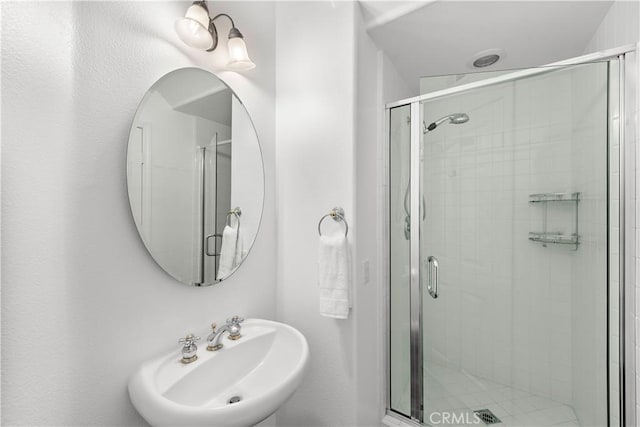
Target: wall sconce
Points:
(197, 30)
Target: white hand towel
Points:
(228, 252)
(240, 252)
(334, 276)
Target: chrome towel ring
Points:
(337, 214)
(236, 212)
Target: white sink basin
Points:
(263, 369)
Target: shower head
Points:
(456, 119)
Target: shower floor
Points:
(451, 391)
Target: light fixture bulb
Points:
(193, 29)
(238, 56)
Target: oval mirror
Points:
(195, 176)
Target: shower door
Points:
(210, 233)
(499, 272)
(214, 178)
(399, 260)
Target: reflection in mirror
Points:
(195, 176)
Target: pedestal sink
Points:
(239, 385)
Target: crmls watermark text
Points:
(443, 418)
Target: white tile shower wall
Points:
(465, 176)
(245, 158)
(520, 141)
(589, 273)
(171, 167)
(491, 166)
(70, 91)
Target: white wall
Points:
(619, 27)
(86, 282)
(168, 148)
(246, 166)
(83, 303)
(369, 313)
(86, 148)
(315, 162)
(393, 86)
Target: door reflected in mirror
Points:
(195, 176)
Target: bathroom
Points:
(84, 304)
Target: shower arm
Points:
(435, 124)
(456, 119)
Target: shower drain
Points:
(486, 416)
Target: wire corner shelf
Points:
(556, 238)
(554, 197)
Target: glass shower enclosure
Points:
(504, 249)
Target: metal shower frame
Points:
(626, 272)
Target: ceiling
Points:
(201, 95)
(430, 38)
(213, 106)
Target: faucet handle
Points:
(189, 348)
(234, 327)
(235, 320)
(188, 340)
(214, 325)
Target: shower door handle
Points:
(432, 277)
(206, 245)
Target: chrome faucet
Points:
(232, 326)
